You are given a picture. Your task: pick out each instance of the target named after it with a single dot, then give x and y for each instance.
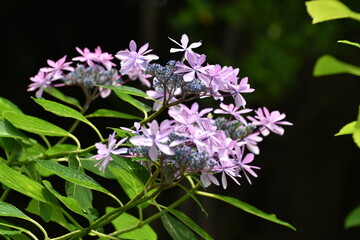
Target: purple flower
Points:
(185, 116)
(131, 58)
(196, 70)
(40, 81)
(233, 110)
(105, 151)
(55, 70)
(207, 178)
(154, 138)
(184, 45)
(228, 167)
(270, 121)
(137, 73)
(244, 163)
(251, 141)
(236, 90)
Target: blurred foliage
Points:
(272, 42)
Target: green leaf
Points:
(128, 90)
(190, 223)
(112, 114)
(125, 221)
(8, 210)
(135, 168)
(247, 208)
(6, 230)
(56, 93)
(56, 216)
(8, 106)
(8, 130)
(81, 194)
(325, 10)
(73, 176)
(24, 184)
(353, 218)
(347, 129)
(89, 164)
(176, 229)
(349, 43)
(356, 133)
(328, 65)
(61, 148)
(136, 103)
(34, 125)
(63, 111)
(69, 202)
(131, 185)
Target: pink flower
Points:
(131, 58)
(86, 56)
(55, 70)
(105, 151)
(270, 121)
(40, 81)
(103, 58)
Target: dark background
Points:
(308, 177)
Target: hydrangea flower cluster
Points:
(207, 141)
(92, 68)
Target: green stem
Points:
(20, 229)
(40, 227)
(157, 215)
(106, 236)
(46, 141)
(67, 236)
(4, 194)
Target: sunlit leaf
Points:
(325, 10)
(328, 65)
(176, 229)
(125, 221)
